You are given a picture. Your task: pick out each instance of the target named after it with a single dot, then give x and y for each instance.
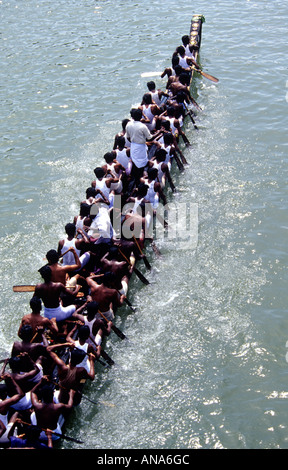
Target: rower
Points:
(37, 321)
(157, 95)
(70, 376)
(47, 413)
(74, 246)
(108, 298)
(49, 292)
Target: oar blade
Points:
(150, 74)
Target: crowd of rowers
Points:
(85, 280)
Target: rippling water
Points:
(205, 366)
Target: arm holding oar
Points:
(137, 272)
(147, 264)
(114, 327)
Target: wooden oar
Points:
(147, 264)
(206, 75)
(137, 272)
(63, 436)
(190, 115)
(31, 288)
(114, 328)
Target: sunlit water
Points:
(205, 366)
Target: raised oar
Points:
(147, 264)
(114, 328)
(137, 272)
(63, 436)
(206, 75)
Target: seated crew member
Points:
(82, 344)
(6, 402)
(77, 245)
(98, 328)
(71, 376)
(49, 292)
(149, 110)
(163, 168)
(35, 350)
(157, 95)
(114, 170)
(110, 263)
(108, 299)
(48, 414)
(104, 184)
(122, 133)
(37, 321)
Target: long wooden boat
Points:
(195, 40)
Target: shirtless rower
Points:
(35, 350)
(110, 263)
(48, 414)
(37, 321)
(49, 292)
(71, 376)
(59, 271)
(108, 299)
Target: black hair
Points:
(70, 229)
(52, 256)
(99, 172)
(35, 304)
(46, 273)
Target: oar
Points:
(150, 74)
(147, 264)
(114, 328)
(190, 115)
(137, 272)
(127, 301)
(206, 75)
(68, 438)
(31, 288)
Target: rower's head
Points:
(15, 364)
(77, 356)
(99, 172)
(160, 155)
(113, 252)
(35, 304)
(52, 256)
(147, 98)
(178, 70)
(92, 308)
(3, 391)
(109, 157)
(170, 111)
(124, 123)
(108, 279)
(185, 40)
(152, 173)
(46, 273)
(181, 51)
(142, 190)
(70, 229)
(85, 208)
(84, 332)
(120, 142)
(175, 61)
(26, 333)
(47, 394)
(151, 85)
(90, 192)
(184, 78)
(168, 138)
(136, 114)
